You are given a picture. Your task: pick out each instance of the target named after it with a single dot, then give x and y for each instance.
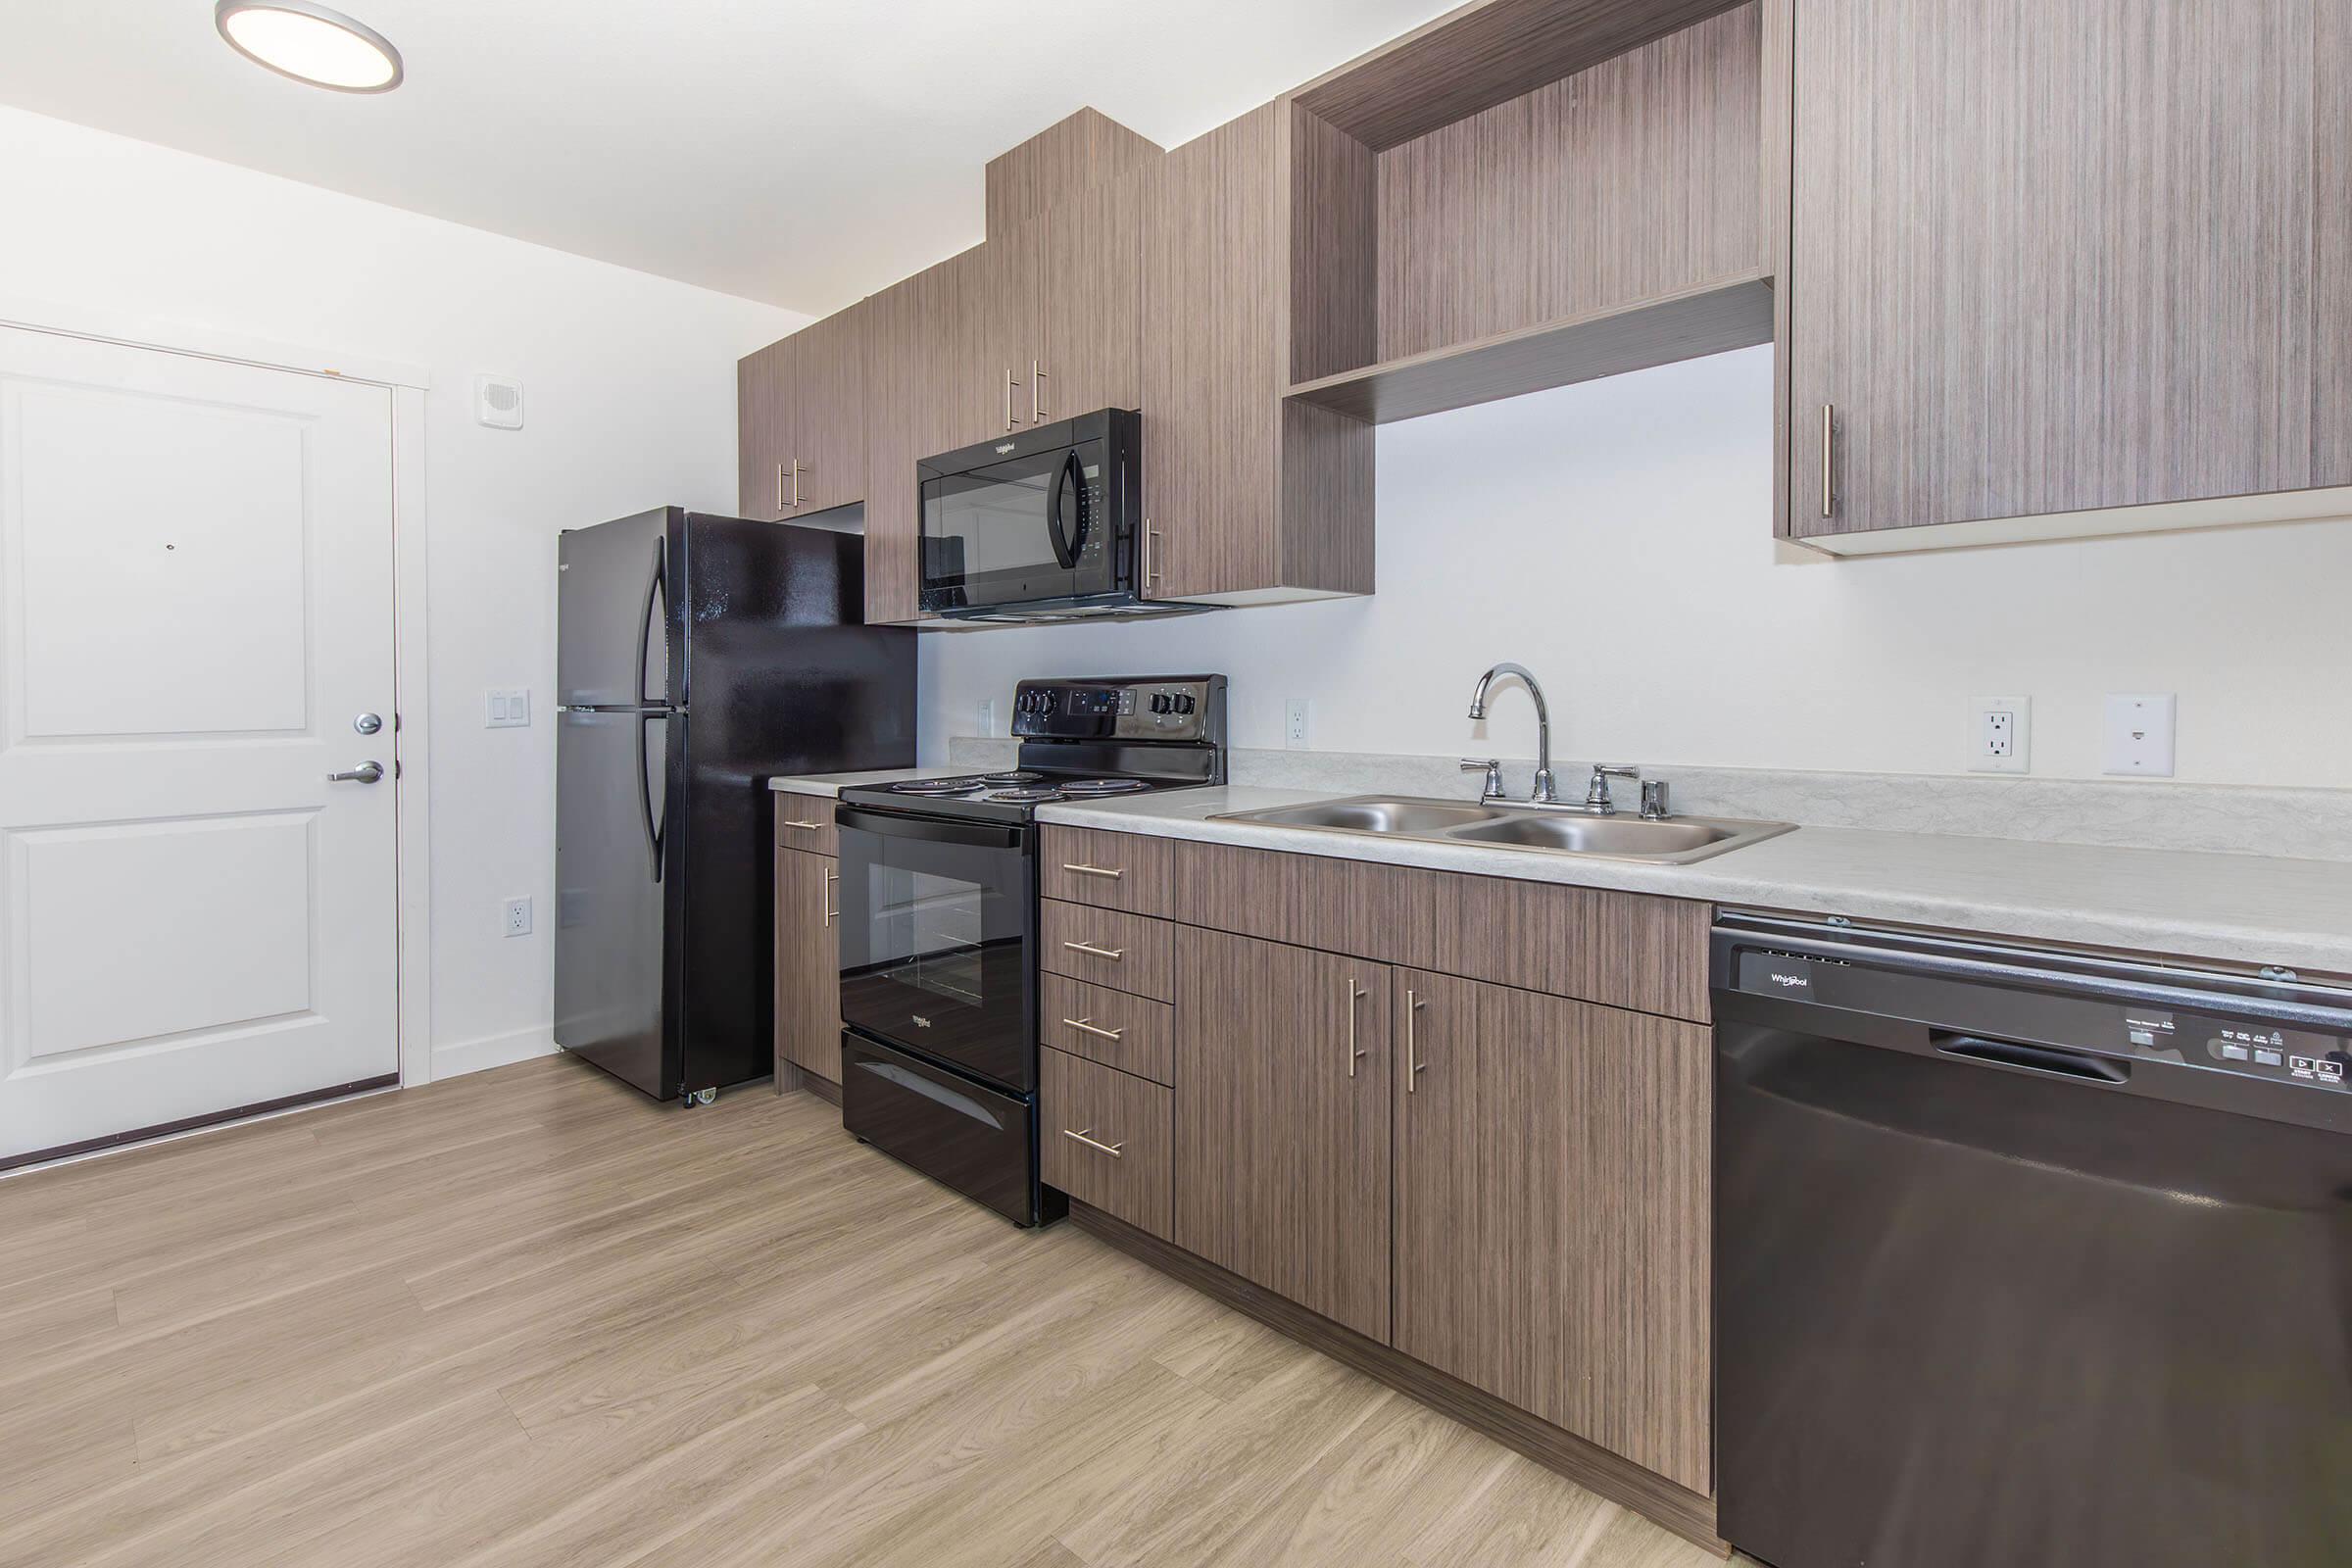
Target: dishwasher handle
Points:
(2099, 1070)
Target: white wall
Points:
(1616, 538)
(630, 397)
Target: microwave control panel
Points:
(1182, 708)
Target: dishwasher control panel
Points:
(2256, 1050)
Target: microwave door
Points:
(1021, 531)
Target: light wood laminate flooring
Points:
(527, 1317)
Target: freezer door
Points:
(618, 638)
(616, 922)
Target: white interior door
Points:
(195, 610)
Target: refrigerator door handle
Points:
(654, 832)
(654, 589)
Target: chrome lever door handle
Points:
(365, 773)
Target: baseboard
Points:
(792, 1080)
(1594, 1468)
(462, 1057)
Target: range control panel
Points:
(1163, 707)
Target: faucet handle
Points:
(1653, 801)
(1491, 789)
(1596, 795)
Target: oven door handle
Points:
(931, 829)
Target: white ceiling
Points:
(802, 151)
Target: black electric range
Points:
(939, 922)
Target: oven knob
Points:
(1159, 702)
(1185, 703)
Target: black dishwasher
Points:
(2027, 1257)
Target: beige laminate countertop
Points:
(2232, 908)
(834, 783)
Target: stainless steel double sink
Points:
(1668, 841)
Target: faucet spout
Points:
(1544, 792)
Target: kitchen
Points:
(1902, 1061)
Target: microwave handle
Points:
(1066, 550)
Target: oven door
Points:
(938, 921)
(1035, 519)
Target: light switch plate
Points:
(2000, 735)
(2139, 734)
(507, 708)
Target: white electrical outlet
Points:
(2139, 734)
(2000, 734)
(519, 917)
(1294, 729)
(988, 715)
(507, 708)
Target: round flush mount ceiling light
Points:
(309, 43)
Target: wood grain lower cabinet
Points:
(1552, 1190)
(1106, 1139)
(1282, 1121)
(808, 965)
(1129, 952)
(1130, 1033)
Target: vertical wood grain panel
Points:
(1282, 1157)
(1134, 1034)
(1077, 939)
(763, 428)
(2050, 258)
(1072, 862)
(829, 410)
(1376, 912)
(1634, 178)
(1335, 218)
(807, 966)
(1071, 156)
(1553, 1186)
(2332, 186)
(922, 356)
(1090, 317)
(1626, 949)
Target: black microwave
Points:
(1039, 525)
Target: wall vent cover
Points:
(498, 402)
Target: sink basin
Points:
(1674, 841)
(1374, 814)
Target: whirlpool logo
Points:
(1789, 982)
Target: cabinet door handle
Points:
(780, 505)
(1089, 1026)
(1037, 408)
(1008, 397)
(1115, 955)
(831, 913)
(1150, 558)
(1828, 451)
(1356, 994)
(1083, 869)
(1114, 1150)
(1412, 1053)
(798, 468)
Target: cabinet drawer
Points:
(1107, 1139)
(1132, 952)
(1112, 1027)
(805, 823)
(1108, 870)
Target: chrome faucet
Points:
(1543, 794)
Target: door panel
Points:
(2050, 258)
(807, 965)
(919, 397)
(1091, 324)
(768, 399)
(1282, 1153)
(610, 933)
(195, 604)
(615, 642)
(829, 410)
(1552, 1190)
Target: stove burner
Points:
(936, 786)
(1103, 786)
(1025, 796)
(1015, 776)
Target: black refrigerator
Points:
(697, 657)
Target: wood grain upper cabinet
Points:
(919, 400)
(1248, 498)
(807, 965)
(801, 419)
(2056, 258)
(1553, 1179)
(1281, 1125)
(1090, 331)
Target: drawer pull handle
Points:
(806, 827)
(1114, 1150)
(1089, 1027)
(1115, 955)
(1083, 869)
